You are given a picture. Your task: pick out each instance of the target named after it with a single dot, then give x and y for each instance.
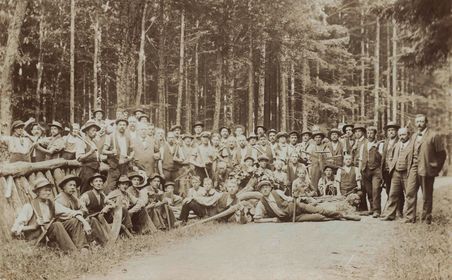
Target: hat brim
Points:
(77, 180)
(97, 111)
(392, 126)
(119, 182)
(345, 127)
(35, 189)
(118, 121)
(318, 133)
(91, 125)
(338, 132)
(361, 128)
(97, 176)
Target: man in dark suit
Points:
(388, 152)
(429, 155)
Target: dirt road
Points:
(327, 250)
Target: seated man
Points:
(173, 200)
(301, 186)
(68, 207)
(120, 196)
(94, 205)
(274, 207)
(280, 176)
(139, 199)
(39, 216)
(327, 184)
(211, 205)
(348, 179)
(157, 206)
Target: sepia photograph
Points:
(225, 139)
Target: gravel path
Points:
(325, 250)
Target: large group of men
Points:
(160, 179)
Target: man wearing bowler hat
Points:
(387, 155)
(370, 165)
(336, 147)
(348, 138)
(198, 128)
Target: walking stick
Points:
(294, 209)
(168, 216)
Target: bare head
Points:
(421, 122)
(403, 134)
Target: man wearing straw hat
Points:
(88, 154)
(68, 207)
(54, 145)
(95, 205)
(39, 215)
(19, 145)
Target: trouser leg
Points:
(376, 190)
(101, 232)
(304, 208)
(197, 208)
(58, 233)
(311, 218)
(427, 194)
(75, 230)
(386, 176)
(396, 189)
(412, 188)
(366, 184)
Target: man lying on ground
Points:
(274, 207)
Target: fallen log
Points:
(25, 168)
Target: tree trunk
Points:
(97, 96)
(196, 94)
(72, 65)
(218, 89)
(188, 105)
(250, 84)
(394, 70)
(377, 72)
(141, 56)
(304, 91)
(40, 65)
(261, 95)
(292, 95)
(388, 73)
(161, 68)
(363, 97)
(12, 44)
(283, 92)
(180, 88)
(402, 96)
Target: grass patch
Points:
(421, 251)
(20, 260)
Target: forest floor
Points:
(369, 249)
